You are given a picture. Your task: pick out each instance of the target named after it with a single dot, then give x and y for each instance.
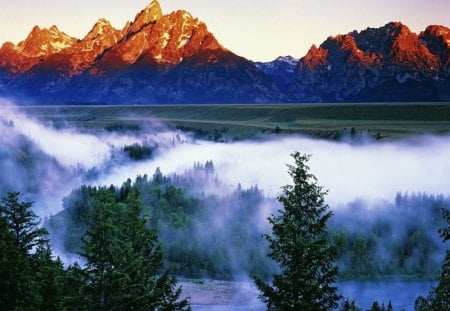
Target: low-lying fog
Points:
(371, 170)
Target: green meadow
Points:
(224, 122)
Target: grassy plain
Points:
(231, 122)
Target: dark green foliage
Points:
(29, 276)
(74, 285)
(299, 245)
(23, 222)
(123, 261)
(389, 240)
(49, 274)
(138, 152)
(196, 242)
(9, 267)
(439, 297)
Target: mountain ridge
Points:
(173, 58)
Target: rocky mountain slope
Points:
(173, 58)
(281, 69)
(389, 63)
(156, 58)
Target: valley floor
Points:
(235, 122)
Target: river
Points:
(214, 295)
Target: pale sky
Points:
(256, 29)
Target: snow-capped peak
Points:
(288, 59)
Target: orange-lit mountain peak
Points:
(409, 52)
(8, 46)
(149, 15)
(101, 27)
(315, 58)
(437, 40)
(161, 39)
(437, 31)
(45, 42)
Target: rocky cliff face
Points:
(389, 63)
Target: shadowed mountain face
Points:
(280, 69)
(173, 58)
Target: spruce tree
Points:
(97, 249)
(299, 245)
(23, 222)
(29, 274)
(123, 260)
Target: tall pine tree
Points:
(123, 260)
(299, 245)
(29, 276)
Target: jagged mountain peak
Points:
(54, 30)
(174, 58)
(148, 15)
(315, 58)
(159, 39)
(437, 40)
(45, 42)
(101, 27)
(437, 30)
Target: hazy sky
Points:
(256, 29)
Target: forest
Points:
(133, 240)
(387, 241)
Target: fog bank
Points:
(370, 171)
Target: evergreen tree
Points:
(97, 249)
(48, 275)
(439, 297)
(139, 261)
(74, 284)
(124, 259)
(299, 245)
(30, 275)
(23, 222)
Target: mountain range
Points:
(173, 58)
